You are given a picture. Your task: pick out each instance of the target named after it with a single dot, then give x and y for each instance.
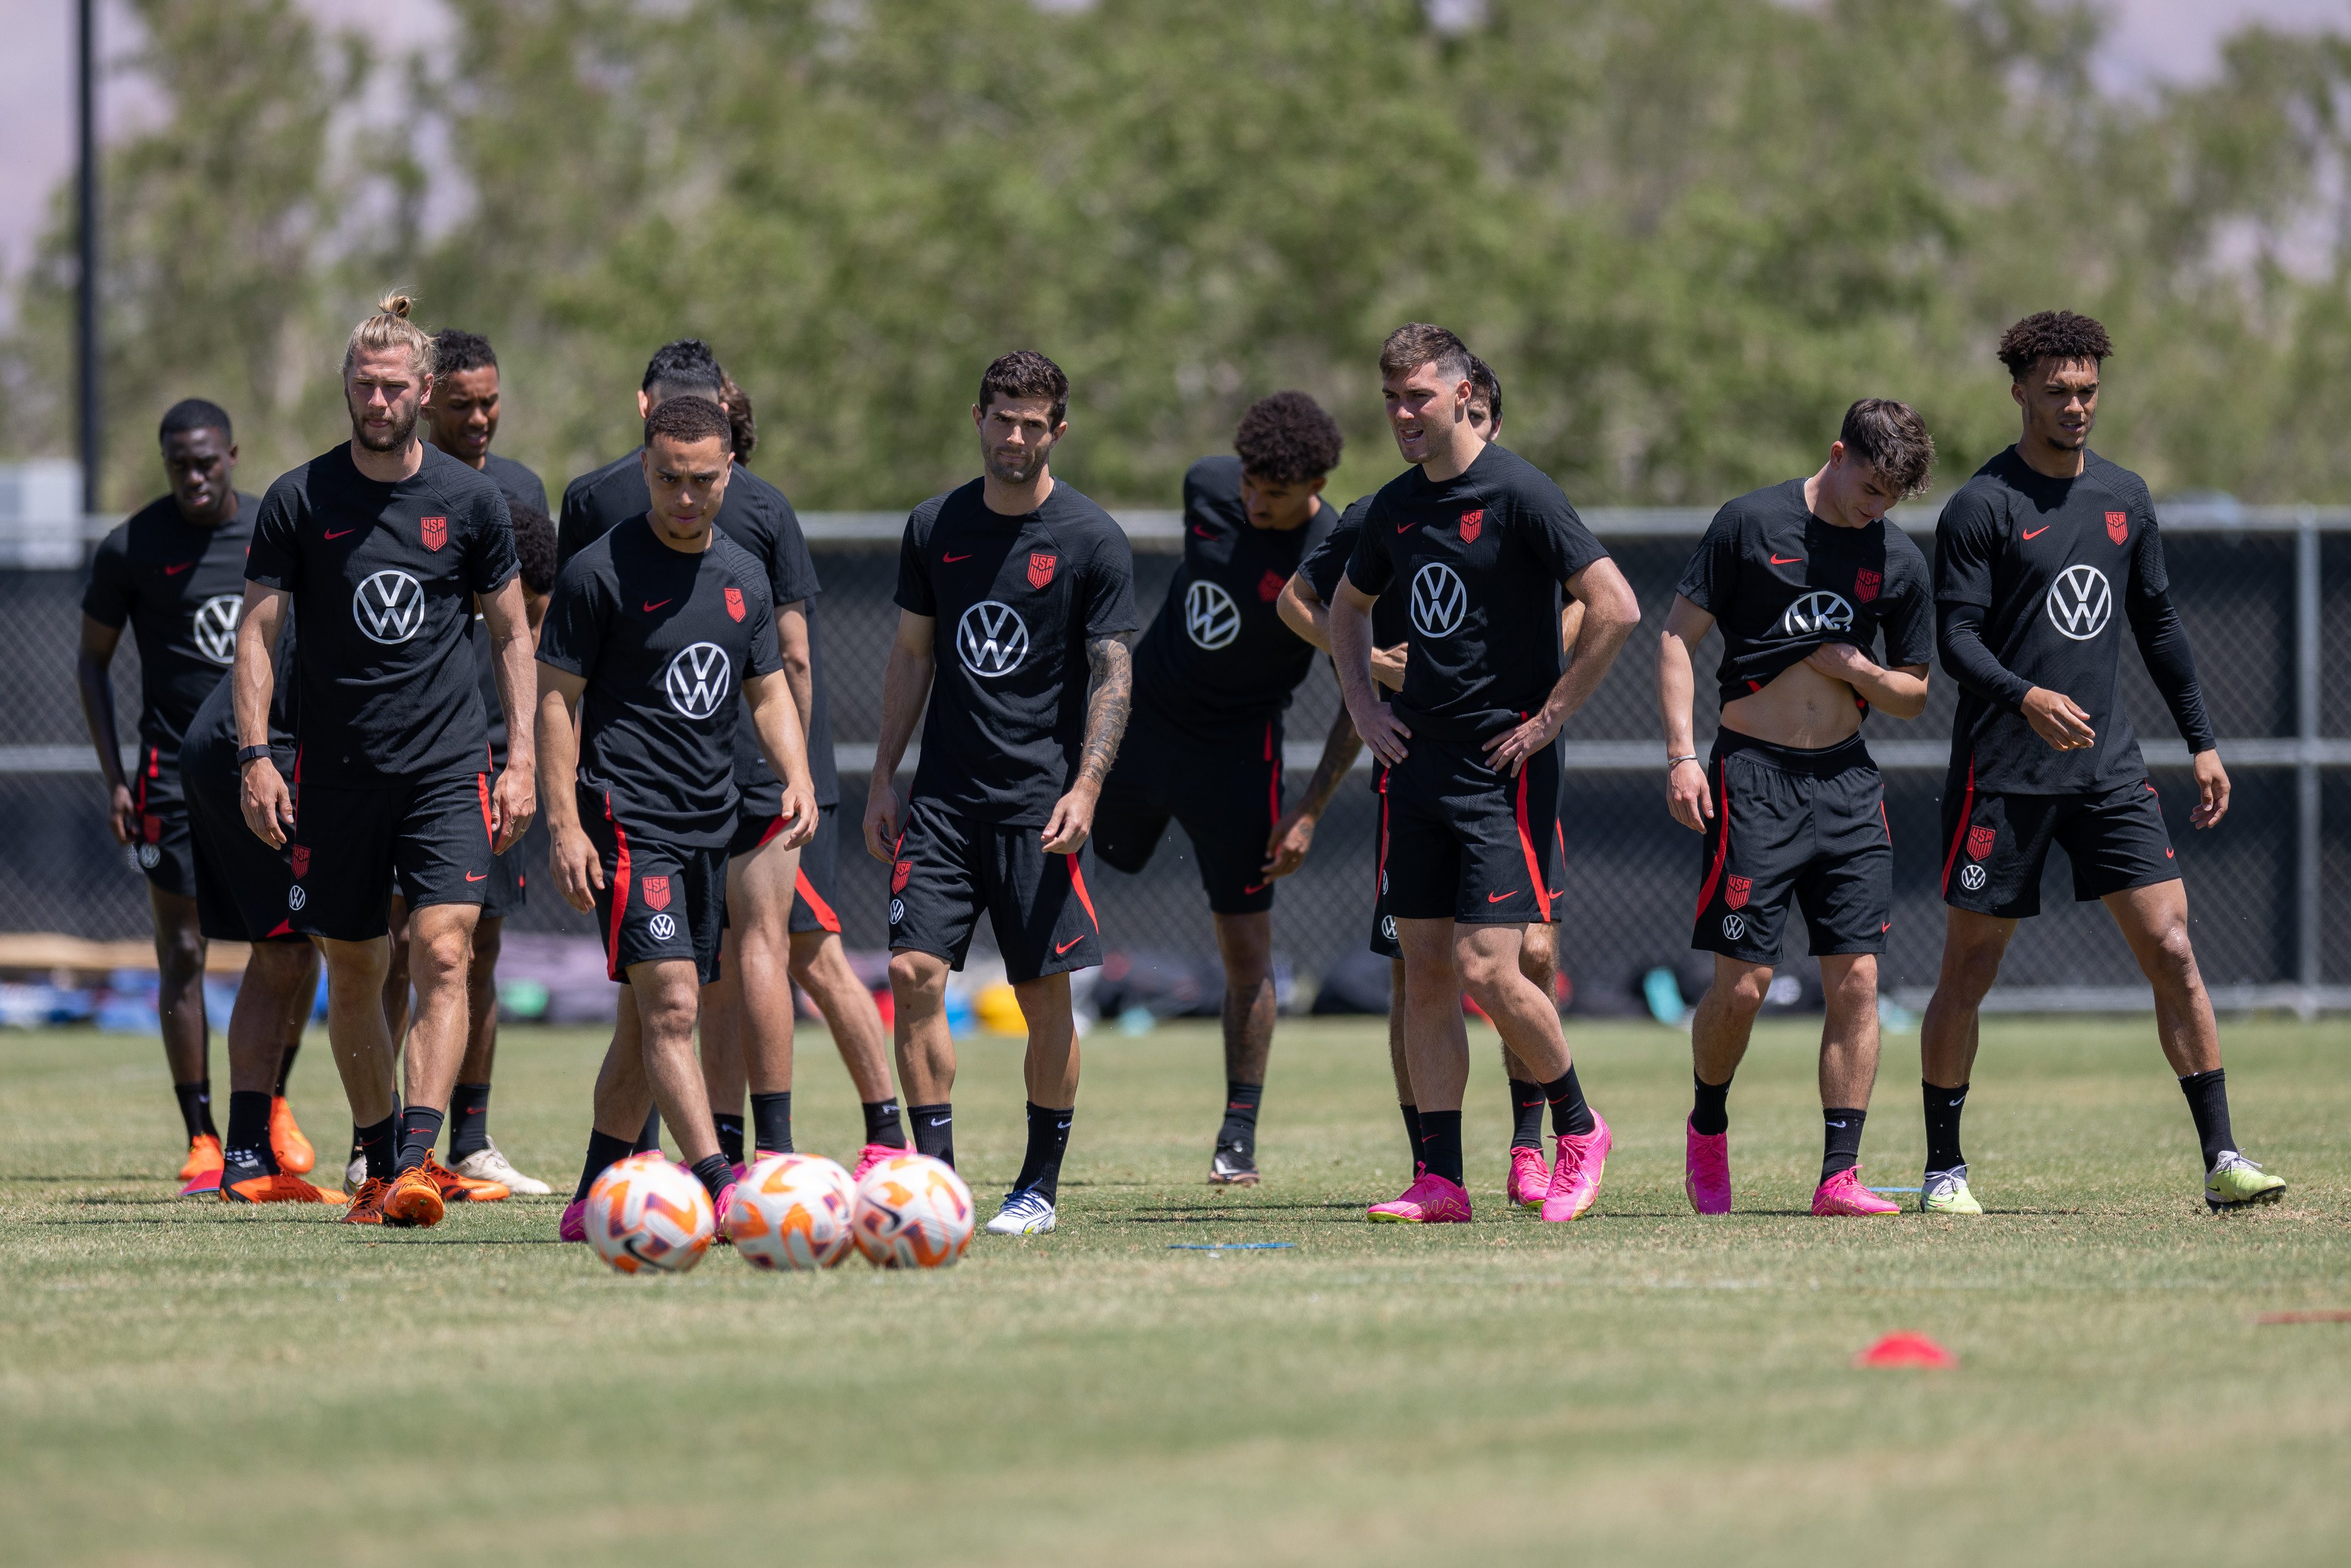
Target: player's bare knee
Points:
(917, 979)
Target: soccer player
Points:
(1035, 583)
(1212, 676)
(174, 574)
(653, 627)
(1802, 577)
(1483, 544)
(383, 547)
(2034, 556)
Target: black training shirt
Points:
(179, 587)
(1479, 560)
(1326, 563)
(1218, 660)
(1016, 601)
(383, 577)
(1781, 582)
(665, 641)
(521, 488)
(516, 483)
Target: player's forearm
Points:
(517, 673)
(2171, 665)
(1110, 698)
(1675, 693)
(559, 761)
(781, 739)
(1340, 748)
(1302, 610)
(96, 685)
(1351, 655)
(257, 680)
(906, 686)
(1898, 693)
(799, 669)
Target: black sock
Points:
(2208, 1102)
(196, 1108)
(730, 1137)
(420, 1129)
(1527, 1104)
(649, 1141)
(881, 1125)
(469, 1121)
(244, 1153)
(771, 1123)
(1239, 1130)
(604, 1151)
(286, 1067)
(379, 1146)
(1048, 1139)
(1569, 1114)
(1943, 1108)
(1842, 1127)
(934, 1130)
(717, 1174)
(1710, 1108)
(1440, 1143)
(1412, 1131)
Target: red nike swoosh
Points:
(1498, 897)
(651, 608)
(328, 536)
(2036, 533)
(1255, 888)
(1067, 945)
(1789, 560)
(965, 556)
(1401, 526)
(470, 877)
(176, 571)
(1204, 533)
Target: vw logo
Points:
(150, 856)
(992, 639)
(1822, 611)
(1438, 601)
(1387, 926)
(1210, 616)
(215, 627)
(1733, 927)
(897, 910)
(2079, 602)
(662, 927)
(1971, 877)
(389, 607)
(294, 897)
(698, 679)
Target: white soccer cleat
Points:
(488, 1165)
(1946, 1192)
(1024, 1213)
(355, 1173)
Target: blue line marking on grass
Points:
(1227, 1246)
(1896, 1189)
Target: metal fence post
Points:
(2307, 779)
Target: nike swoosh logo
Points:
(1885, 928)
(483, 877)
(1204, 533)
(1498, 897)
(176, 571)
(1789, 561)
(1255, 888)
(1401, 526)
(651, 608)
(1836, 1124)
(941, 1120)
(2036, 533)
(1067, 945)
(333, 535)
(965, 556)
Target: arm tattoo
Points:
(1109, 696)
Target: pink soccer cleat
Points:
(872, 1154)
(1844, 1194)
(718, 1211)
(574, 1224)
(1575, 1173)
(1429, 1200)
(1706, 1170)
(1530, 1179)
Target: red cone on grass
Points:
(1906, 1347)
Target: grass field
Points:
(187, 1385)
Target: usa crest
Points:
(2118, 526)
(302, 858)
(1041, 569)
(1472, 525)
(151, 829)
(436, 532)
(657, 892)
(1269, 587)
(1866, 585)
(735, 603)
(1980, 841)
(1735, 893)
(899, 874)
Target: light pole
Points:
(86, 300)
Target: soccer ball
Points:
(645, 1213)
(913, 1212)
(791, 1211)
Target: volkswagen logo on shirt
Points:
(1210, 616)
(991, 638)
(1438, 601)
(1821, 611)
(2080, 602)
(698, 679)
(389, 607)
(215, 627)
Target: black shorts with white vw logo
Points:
(1994, 844)
(947, 869)
(660, 901)
(350, 847)
(1794, 825)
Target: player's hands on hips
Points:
(514, 800)
(268, 808)
(1508, 752)
(120, 813)
(577, 868)
(1286, 846)
(797, 808)
(1073, 820)
(2211, 791)
(1686, 796)
(1378, 727)
(1842, 662)
(2058, 719)
(881, 820)
(1387, 665)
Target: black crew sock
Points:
(2208, 1102)
(1239, 1130)
(1527, 1104)
(717, 1174)
(379, 1146)
(1943, 1108)
(882, 1124)
(420, 1129)
(1048, 1139)
(286, 1067)
(934, 1130)
(771, 1123)
(244, 1153)
(1440, 1143)
(730, 1137)
(1710, 1107)
(1412, 1131)
(196, 1108)
(649, 1141)
(1569, 1114)
(1842, 1127)
(469, 1121)
(603, 1152)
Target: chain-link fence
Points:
(2265, 595)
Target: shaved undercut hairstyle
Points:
(1417, 343)
(534, 535)
(688, 420)
(389, 327)
(2052, 335)
(1287, 439)
(195, 413)
(1025, 372)
(1489, 387)
(685, 367)
(1891, 438)
(454, 350)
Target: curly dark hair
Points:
(686, 365)
(534, 536)
(455, 349)
(689, 420)
(737, 404)
(1025, 372)
(1489, 387)
(1891, 438)
(1287, 439)
(2052, 335)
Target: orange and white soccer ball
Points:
(645, 1213)
(791, 1211)
(913, 1212)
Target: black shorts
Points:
(813, 889)
(1790, 822)
(159, 825)
(1995, 845)
(659, 900)
(241, 882)
(504, 893)
(352, 846)
(947, 869)
(1225, 795)
(1459, 841)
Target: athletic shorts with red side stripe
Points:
(1995, 845)
(1463, 843)
(660, 901)
(1383, 940)
(948, 869)
(814, 906)
(1794, 825)
(350, 847)
(1226, 794)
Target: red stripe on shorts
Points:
(1273, 784)
(1077, 880)
(1527, 843)
(482, 788)
(619, 893)
(1722, 847)
(1959, 835)
(823, 911)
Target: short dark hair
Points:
(1025, 372)
(1417, 343)
(685, 366)
(455, 349)
(534, 537)
(737, 404)
(1891, 438)
(195, 413)
(1287, 439)
(1489, 387)
(689, 420)
(2052, 335)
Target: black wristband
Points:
(246, 754)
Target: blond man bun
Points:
(389, 327)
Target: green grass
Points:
(187, 1385)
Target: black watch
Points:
(246, 754)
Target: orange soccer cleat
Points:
(456, 1189)
(367, 1203)
(414, 1199)
(204, 1155)
(294, 1155)
(279, 1189)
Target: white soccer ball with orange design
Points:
(791, 1211)
(645, 1213)
(911, 1212)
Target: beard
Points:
(392, 440)
(1009, 470)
